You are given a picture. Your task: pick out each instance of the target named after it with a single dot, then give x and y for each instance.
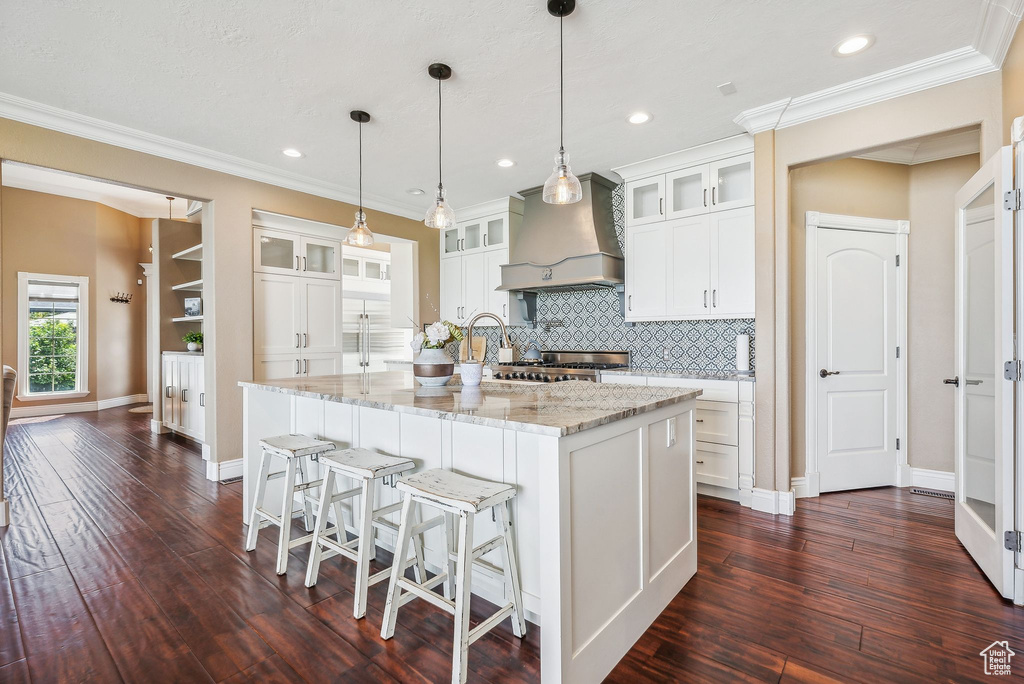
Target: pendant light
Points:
(440, 215)
(561, 187)
(360, 235)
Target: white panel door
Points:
(186, 378)
(732, 263)
(732, 183)
(277, 317)
(320, 323)
(497, 300)
(474, 284)
(314, 365)
(645, 201)
(984, 456)
(689, 256)
(170, 395)
(855, 352)
(276, 252)
(451, 291)
(646, 261)
(320, 258)
(199, 398)
(688, 192)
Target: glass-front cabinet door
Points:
(451, 241)
(276, 252)
(688, 192)
(496, 234)
(732, 183)
(472, 235)
(645, 201)
(350, 268)
(320, 258)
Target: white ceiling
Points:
(250, 77)
(141, 203)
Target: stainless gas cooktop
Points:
(558, 366)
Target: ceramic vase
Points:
(433, 367)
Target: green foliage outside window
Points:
(53, 350)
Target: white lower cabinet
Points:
(723, 428)
(184, 396)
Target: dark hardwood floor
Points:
(124, 563)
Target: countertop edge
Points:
(735, 376)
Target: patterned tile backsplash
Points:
(593, 321)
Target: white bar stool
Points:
(366, 467)
(463, 496)
(293, 449)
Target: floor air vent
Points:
(232, 480)
(932, 492)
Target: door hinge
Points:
(897, 261)
(897, 444)
(1011, 371)
(1011, 200)
(1011, 540)
(897, 352)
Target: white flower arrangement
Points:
(436, 336)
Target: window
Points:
(53, 334)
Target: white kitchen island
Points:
(604, 515)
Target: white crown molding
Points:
(999, 21)
(925, 151)
(998, 24)
(64, 121)
(717, 149)
(498, 206)
(34, 185)
(763, 118)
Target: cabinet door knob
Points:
(705, 197)
(296, 262)
(713, 200)
(700, 462)
(296, 340)
(705, 299)
(305, 340)
(698, 420)
(661, 205)
(714, 298)
(630, 302)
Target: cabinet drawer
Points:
(717, 422)
(717, 464)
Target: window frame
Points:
(82, 388)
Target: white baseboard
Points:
(157, 427)
(224, 470)
(718, 492)
(76, 407)
(799, 487)
(769, 501)
(5, 513)
(933, 479)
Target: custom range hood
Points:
(566, 246)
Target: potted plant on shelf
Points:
(194, 339)
(433, 366)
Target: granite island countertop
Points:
(549, 409)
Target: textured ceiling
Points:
(249, 77)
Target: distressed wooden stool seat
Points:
(464, 497)
(294, 450)
(366, 467)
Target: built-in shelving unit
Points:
(191, 286)
(187, 319)
(193, 253)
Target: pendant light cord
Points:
(439, 182)
(360, 168)
(561, 87)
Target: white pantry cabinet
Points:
(690, 234)
(284, 253)
(184, 395)
(472, 254)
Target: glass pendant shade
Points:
(440, 215)
(360, 235)
(562, 186)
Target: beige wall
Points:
(63, 236)
(930, 325)
(971, 102)
(227, 238)
(765, 398)
(853, 187)
(1013, 84)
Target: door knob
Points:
(955, 382)
(825, 373)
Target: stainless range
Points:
(558, 366)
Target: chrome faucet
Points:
(469, 343)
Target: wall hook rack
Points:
(122, 298)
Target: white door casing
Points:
(856, 327)
(984, 455)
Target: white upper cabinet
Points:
(497, 300)
(690, 233)
(286, 253)
(451, 290)
(688, 192)
(732, 183)
(474, 283)
(476, 235)
(732, 263)
(645, 201)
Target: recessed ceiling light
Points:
(414, 191)
(727, 88)
(291, 152)
(505, 163)
(853, 45)
(639, 117)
